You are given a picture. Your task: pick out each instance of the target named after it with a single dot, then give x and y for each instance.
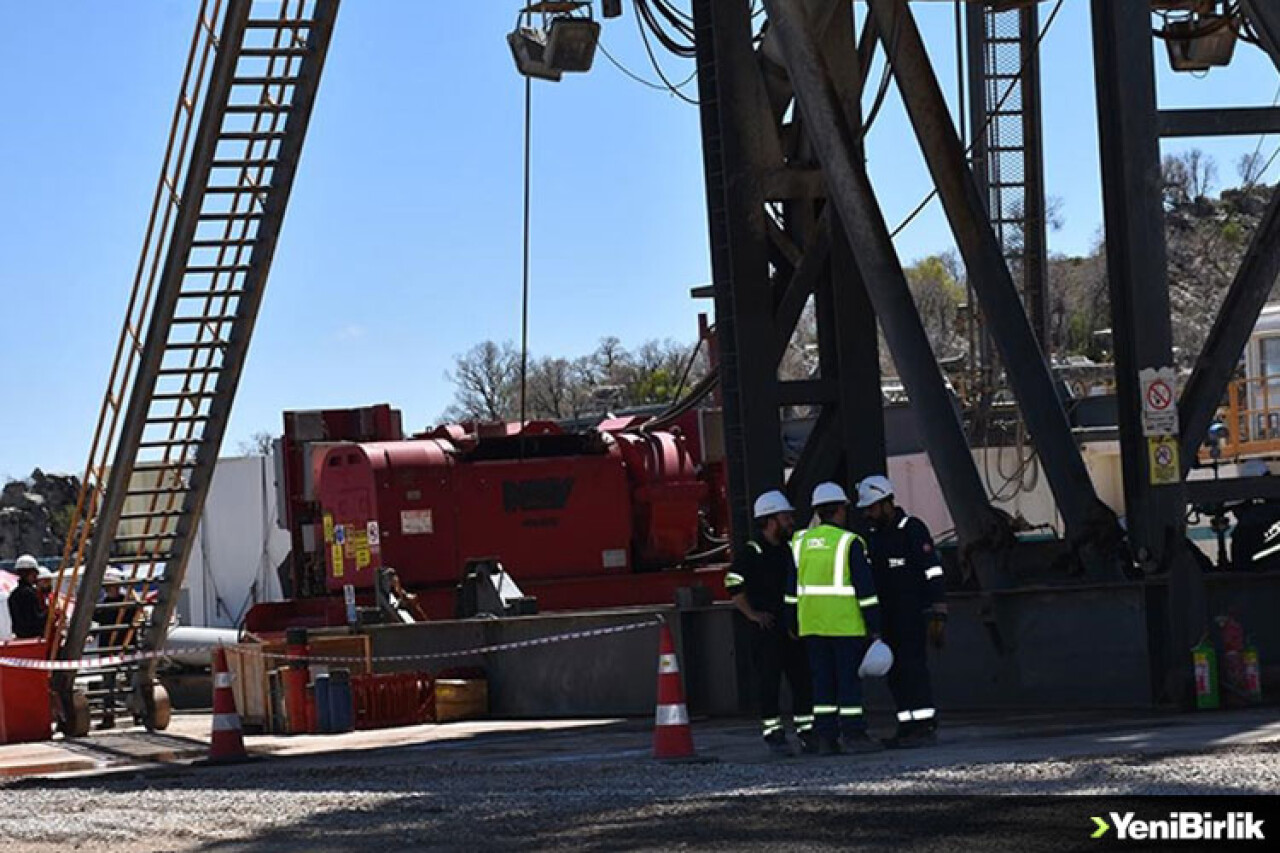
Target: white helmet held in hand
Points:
(877, 661)
(874, 489)
(828, 493)
(772, 503)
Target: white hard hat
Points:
(26, 563)
(874, 489)
(829, 493)
(771, 503)
(45, 574)
(877, 661)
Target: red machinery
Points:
(600, 518)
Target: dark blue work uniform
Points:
(761, 572)
(909, 581)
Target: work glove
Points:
(937, 628)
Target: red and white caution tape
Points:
(109, 661)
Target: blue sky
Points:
(401, 246)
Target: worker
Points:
(757, 583)
(27, 611)
(912, 592)
(835, 609)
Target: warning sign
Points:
(1159, 406)
(336, 556)
(328, 527)
(375, 537)
(1162, 454)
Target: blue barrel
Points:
(341, 703)
(324, 718)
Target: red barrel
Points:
(296, 677)
(24, 695)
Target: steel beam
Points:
(836, 143)
(1226, 121)
(1232, 327)
(1265, 15)
(739, 142)
(1230, 489)
(1137, 276)
(1087, 518)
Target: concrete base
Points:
(1052, 648)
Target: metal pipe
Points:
(835, 142)
(1086, 517)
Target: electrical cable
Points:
(1044, 31)
(653, 59)
(637, 78)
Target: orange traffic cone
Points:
(672, 737)
(227, 743)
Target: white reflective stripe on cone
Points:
(221, 679)
(851, 712)
(672, 715)
(668, 664)
(904, 716)
(226, 722)
(935, 572)
(924, 714)
(825, 709)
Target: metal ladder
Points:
(250, 83)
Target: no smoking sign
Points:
(1159, 406)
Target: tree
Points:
(558, 388)
(486, 380)
(938, 296)
(261, 443)
(1187, 177)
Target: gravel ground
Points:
(407, 799)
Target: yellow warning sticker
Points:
(1162, 457)
(328, 527)
(336, 551)
(362, 558)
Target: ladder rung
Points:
(183, 395)
(197, 345)
(265, 81)
(259, 52)
(238, 189)
(185, 419)
(249, 135)
(184, 371)
(228, 217)
(278, 24)
(219, 244)
(146, 537)
(233, 163)
(209, 294)
(256, 109)
(145, 492)
(177, 442)
(137, 560)
(207, 270)
(215, 318)
(142, 516)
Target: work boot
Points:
(858, 743)
(777, 743)
(808, 743)
(829, 746)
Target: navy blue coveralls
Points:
(909, 581)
